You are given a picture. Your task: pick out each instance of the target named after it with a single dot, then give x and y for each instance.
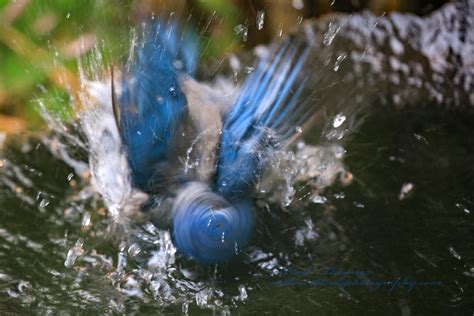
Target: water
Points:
(384, 225)
(298, 254)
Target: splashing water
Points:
(145, 266)
(260, 19)
(72, 236)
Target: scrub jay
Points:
(199, 145)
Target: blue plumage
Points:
(152, 104)
(213, 219)
(263, 119)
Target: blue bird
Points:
(161, 119)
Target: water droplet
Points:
(306, 233)
(161, 289)
(332, 3)
(260, 19)
(331, 33)
(421, 138)
(339, 195)
(336, 134)
(202, 297)
(74, 253)
(86, 219)
(243, 292)
(299, 19)
(70, 176)
(185, 308)
(150, 228)
(121, 261)
(469, 273)
(225, 311)
(299, 129)
(339, 61)
(68, 15)
(134, 250)
(23, 286)
(405, 190)
(44, 203)
(297, 4)
(462, 207)
(172, 91)
(288, 194)
(122, 245)
(242, 30)
(280, 30)
(454, 253)
(339, 152)
(338, 120)
(358, 204)
(249, 69)
(318, 199)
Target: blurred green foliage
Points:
(38, 37)
(48, 27)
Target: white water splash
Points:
(144, 265)
(260, 19)
(316, 166)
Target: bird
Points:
(167, 117)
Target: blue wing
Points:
(267, 113)
(151, 104)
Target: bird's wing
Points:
(268, 112)
(150, 104)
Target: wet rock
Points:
(398, 59)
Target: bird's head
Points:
(207, 227)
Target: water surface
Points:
(407, 216)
